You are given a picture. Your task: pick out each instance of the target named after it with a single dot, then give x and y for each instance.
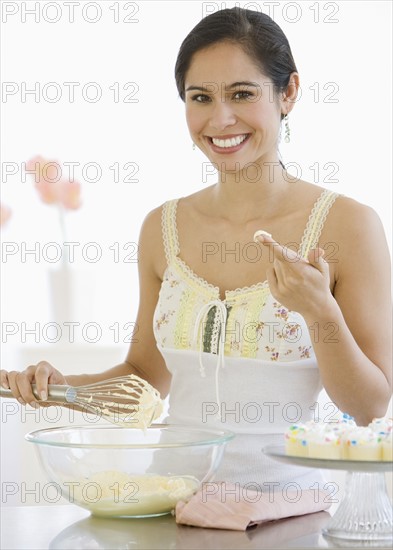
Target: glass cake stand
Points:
(365, 513)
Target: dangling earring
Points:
(287, 137)
(193, 146)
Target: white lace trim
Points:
(196, 278)
(173, 225)
(311, 235)
(316, 221)
(205, 284)
(252, 288)
(165, 236)
(169, 230)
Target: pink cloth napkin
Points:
(230, 506)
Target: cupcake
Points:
(296, 443)
(324, 443)
(387, 447)
(362, 443)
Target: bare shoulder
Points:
(353, 235)
(151, 226)
(151, 244)
(362, 256)
(355, 224)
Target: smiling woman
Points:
(214, 111)
(264, 54)
(244, 344)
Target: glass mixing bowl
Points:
(125, 472)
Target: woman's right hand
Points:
(19, 383)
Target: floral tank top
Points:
(250, 322)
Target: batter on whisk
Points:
(244, 335)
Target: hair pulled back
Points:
(256, 33)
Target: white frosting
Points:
(381, 425)
(362, 436)
(323, 437)
(129, 402)
(260, 232)
(115, 493)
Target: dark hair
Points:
(259, 36)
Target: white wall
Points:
(350, 57)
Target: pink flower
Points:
(5, 214)
(51, 187)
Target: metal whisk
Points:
(128, 401)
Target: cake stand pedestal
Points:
(365, 514)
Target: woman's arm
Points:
(143, 358)
(351, 331)
(356, 363)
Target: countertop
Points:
(67, 526)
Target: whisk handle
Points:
(56, 392)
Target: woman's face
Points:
(231, 112)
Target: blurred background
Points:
(93, 89)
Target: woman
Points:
(244, 335)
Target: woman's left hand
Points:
(298, 284)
